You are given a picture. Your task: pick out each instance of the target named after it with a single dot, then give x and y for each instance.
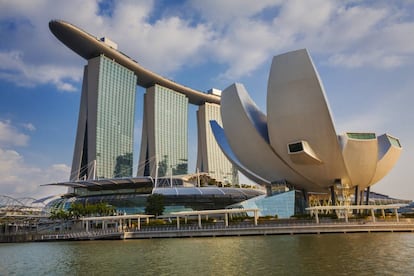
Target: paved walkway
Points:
(237, 229)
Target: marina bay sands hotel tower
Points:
(105, 133)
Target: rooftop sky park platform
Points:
(89, 46)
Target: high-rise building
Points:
(105, 128)
(105, 134)
(210, 157)
(164, 133)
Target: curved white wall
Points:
(388, 155)
(222, 141)
(246, 131)
(360, 157)
(297, 110)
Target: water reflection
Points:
(339, 254)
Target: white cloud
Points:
(375, 59)
(10, 136)
(244, 48)
(130, 15)
(240, 35)
(223, 13)
(19, 179)
(164, 46)
(29, 126)
(303, 17)
(14, 69)
(167, 45)
(365, 36)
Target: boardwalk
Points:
(237, 229)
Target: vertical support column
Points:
(268, 190)
(317, 216)
(361, 197)
(356, 195)
(147, 220)
(373, 215)
(367, 196)
(256, 215)
(383, 213)
(199, 221)
(139, 224)
(226, 219)
(87, 225)
(356, 199)
(178, 222)
(346, 215)
(361, 202)
(333, 197)
(396, 214)
(305, 197)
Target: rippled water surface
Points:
(334, 254)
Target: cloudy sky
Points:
(363, 50)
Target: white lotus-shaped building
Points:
(296, 142)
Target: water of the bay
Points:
(330, 254)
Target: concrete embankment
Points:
(24, 237)
(218, 231)
(274, 230)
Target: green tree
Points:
(103, 209)
(77, 210)
(155, 205)
(59, 215)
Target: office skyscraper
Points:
(105, 134)
(164, 133)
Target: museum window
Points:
(295, 147)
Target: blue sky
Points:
(363, 50)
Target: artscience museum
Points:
(296, 143)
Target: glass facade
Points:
(282, 205)
(164, 136)
(105, 134)
(115, 120)
(361, 136)
(211, 159)
(175, 199)
(394, 141)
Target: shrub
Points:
(155, 205)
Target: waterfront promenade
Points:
(272, 229)
(276, 227)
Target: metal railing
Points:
(404, 223)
